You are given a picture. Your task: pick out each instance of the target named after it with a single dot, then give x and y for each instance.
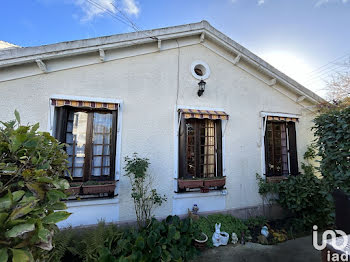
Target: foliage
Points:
(333, 141)
(258, 221)
(169, 240)
(145, 197)
(229, 224)
(31, 166)
(305, 196)
(87, 244)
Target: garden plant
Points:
(32, 166)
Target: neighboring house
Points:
(6, 45)
(109, 97)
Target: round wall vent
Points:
(200, 70)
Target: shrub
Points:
(169, 240)
(229, 224)
(31, 166)
(145, 197)
(332, 130)
(85, 244)
(306, 196)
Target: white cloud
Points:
(261, 2)
(95, 8)
(322, 2)
(130, 7)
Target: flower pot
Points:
(101, 187)
(215, 182)
(201, 244)
(74, 189)
(190, 183)
(204, 189)
(224, 238)
(275, 179)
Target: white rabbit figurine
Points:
(216, 236)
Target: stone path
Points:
(300, 249)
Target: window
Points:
(200, 148)
(280, 148)
(91, 138)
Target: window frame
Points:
(291, 138)
(182, 149)
(61, 113)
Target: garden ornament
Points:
(234, 238)
(265, 231)
(224, 236)
(216, 236)
(220, 238)
(195, 209)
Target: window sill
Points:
(275, 179)
(181, 195)
(202, 183)
(92, 202)
(99, 188)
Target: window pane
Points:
(77, 123)
(98, 139)
(97, 150)
(77, 172)
(97, 161)
(78, 162)
(102, 129)
(106, 171)
(106, 161)
(96, 171)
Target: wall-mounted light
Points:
(201, 87)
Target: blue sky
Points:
(296, 36)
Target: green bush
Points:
(258, 221)
(229, 224)
(169, 240)
(32, 164)
(85, 244)
(332, 130)
(306, 196)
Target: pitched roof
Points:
(9, 57)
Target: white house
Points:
(193, 101)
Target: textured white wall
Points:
(147, 84)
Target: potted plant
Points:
(275, 179)
(200, 240)
(96, 187)
(74, 188)
(190, 183)
(214, 182)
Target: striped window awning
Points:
(282, 118)
(85, 104)
(201, 114)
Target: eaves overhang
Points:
(17, 56)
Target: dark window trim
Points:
(182, 154)
(60, 134)
(292, 148)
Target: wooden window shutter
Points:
(182, 149)
(61, 124)
(293, 149)
(219, 147)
